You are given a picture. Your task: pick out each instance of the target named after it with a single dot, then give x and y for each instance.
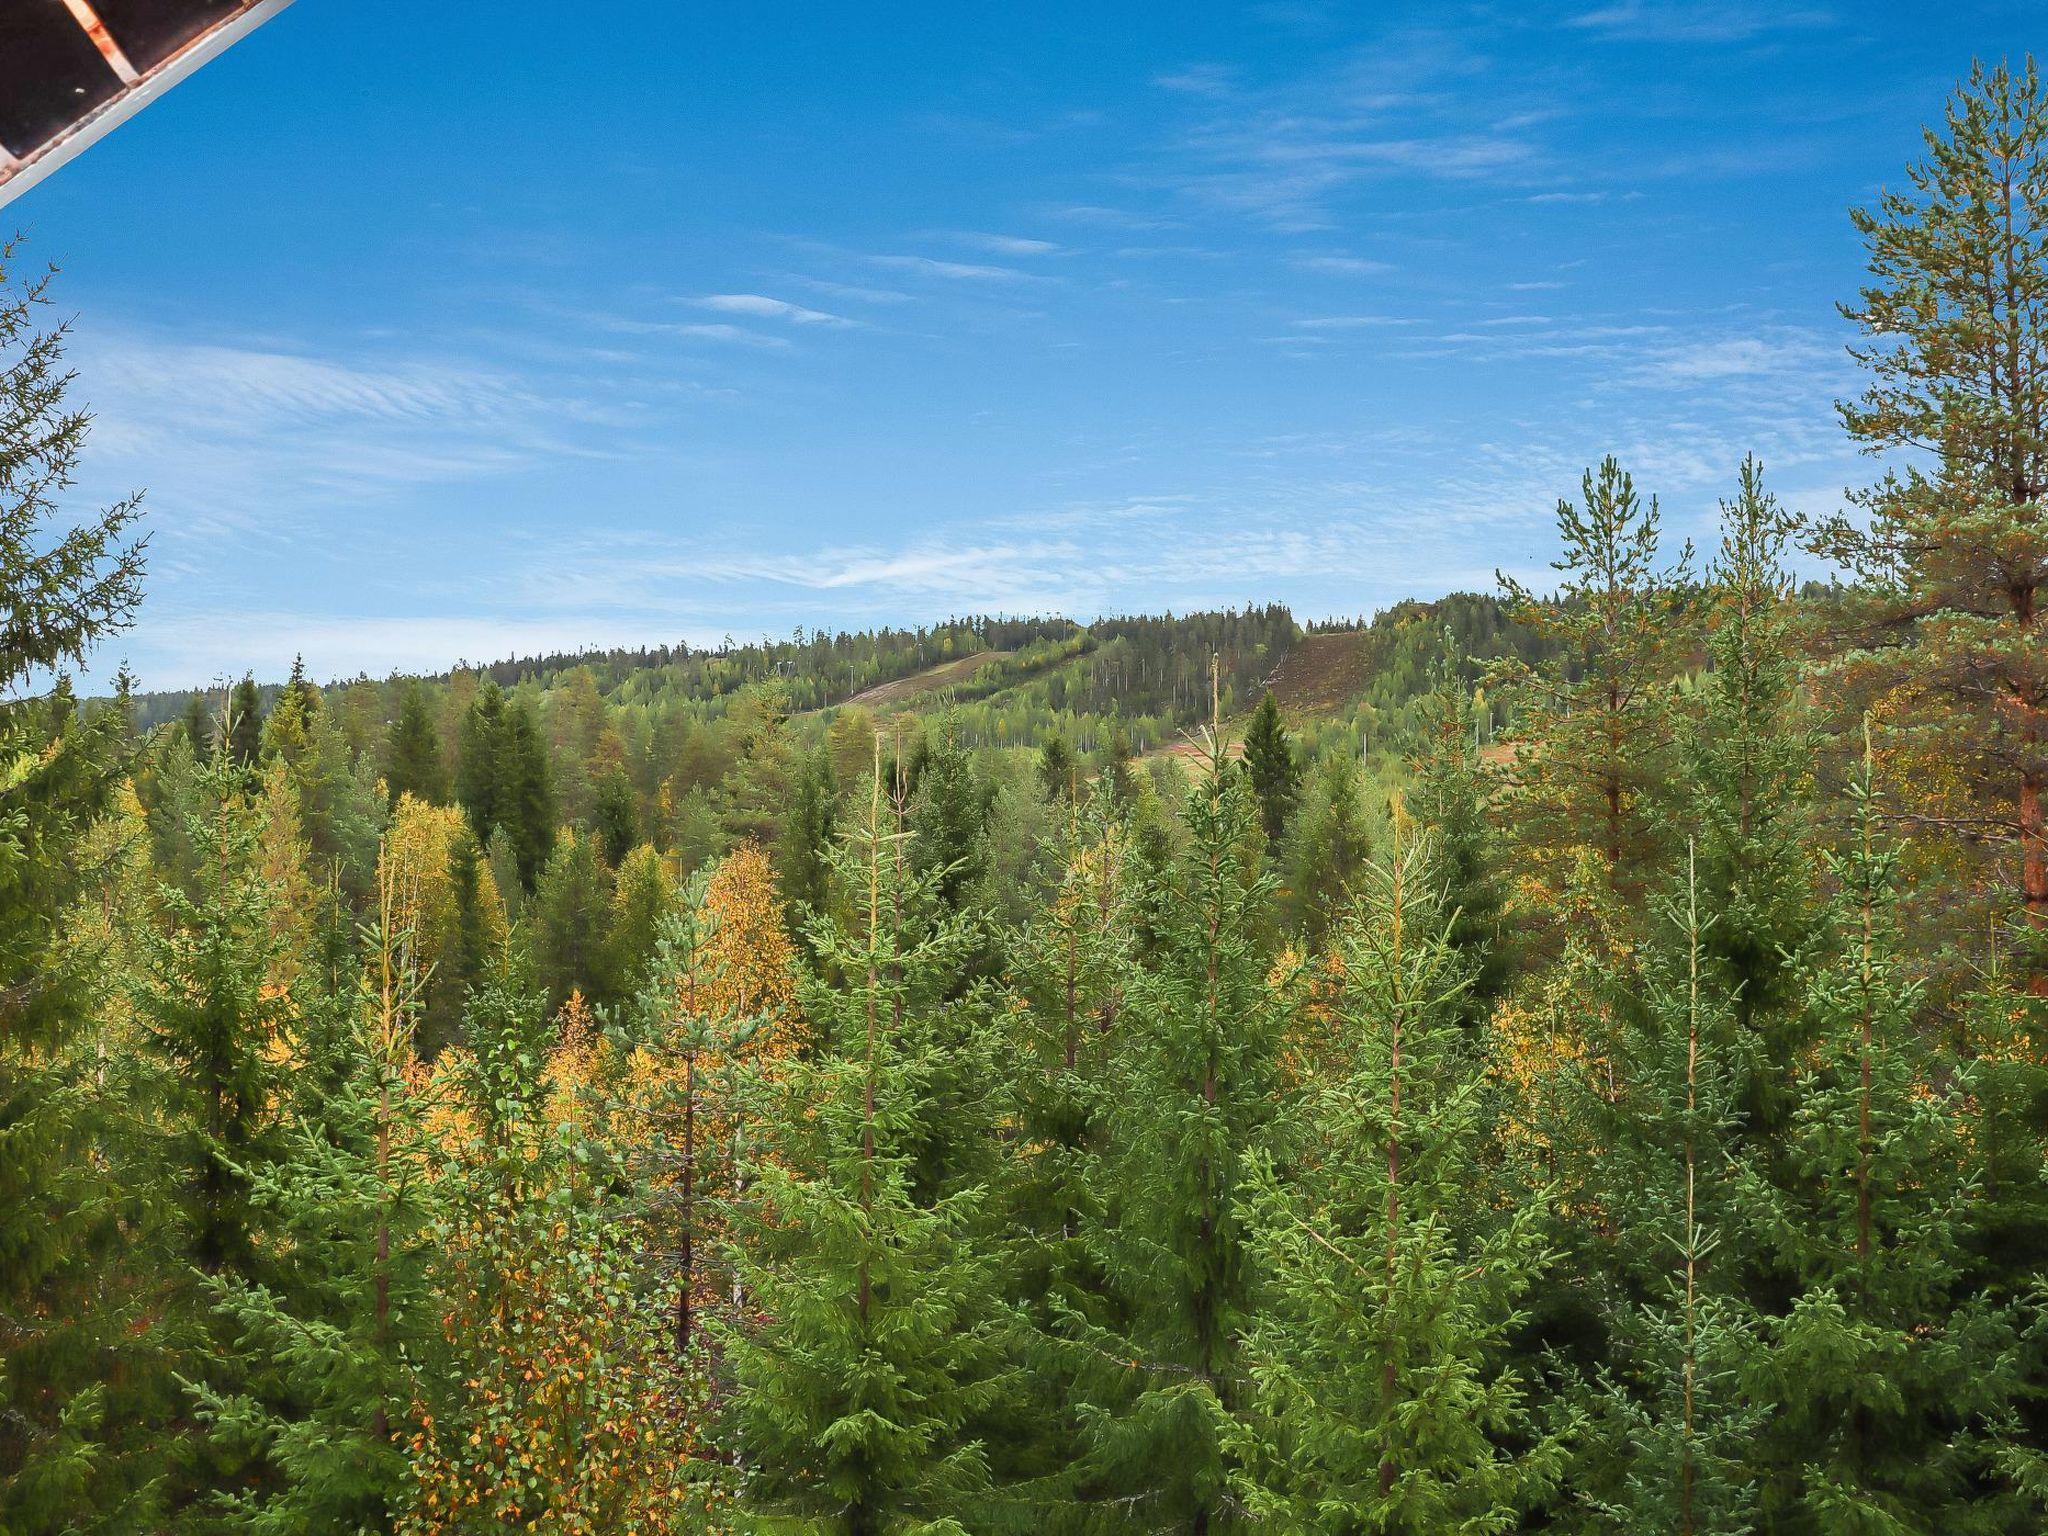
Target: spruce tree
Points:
(1193, 1100)
(874, 1347)
(1392, 1273)
(346, 1317)
(1070, 966)
(1892, 1381)
(197, 726)
(1673, 1425)
(1591, 721)
(66, 582)
(1058, 768)
(523, 795)
(570, 916)
(950, 816)
(615, 814)
(476, 771)
(803, 863)
(413, 764)
(1269, 760)
(1449, 802)
(1950, 562)
(245, 723)
(214, 1024)
(1750, 759)
(1326, 848)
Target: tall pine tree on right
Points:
(1943, 623)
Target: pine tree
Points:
(1193, 1101)
(1269, 760)
(66, 582)
(1951, 559)
(1592, 724)
(1392, 1276)
(413, 764)
(876, 1341)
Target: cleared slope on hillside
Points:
(905, 690)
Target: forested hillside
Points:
(1566, 1060)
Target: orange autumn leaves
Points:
(575, 1413)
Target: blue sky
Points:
(430, 344)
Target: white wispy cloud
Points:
(1352, 322)
(240, 441)
(1289, 155)
(1198, 80)
(1349, 266)
(718, 330)
(965, 271)
(1006, 245)
(1696, 21)
(762, 305)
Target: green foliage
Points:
(1327, 844)
(212, 1022)
(949, 814)
(413, 764)
(1449, 801)
(344, 1317)
(1392, 1272)
(1198, 1076)
(804, 868)
(1592, 727)
(1750, 760)
(878, 1341)
(1269, 760)
(67, 1380)
(570, 913)
(615, 818)
(1943, 617)
(1892, 1383)
(503, 782)
(245, 723)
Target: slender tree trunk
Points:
(686, 1261)
(1389, 1375)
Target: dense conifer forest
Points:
(1544, 1060)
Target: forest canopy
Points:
(1568, 1059)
